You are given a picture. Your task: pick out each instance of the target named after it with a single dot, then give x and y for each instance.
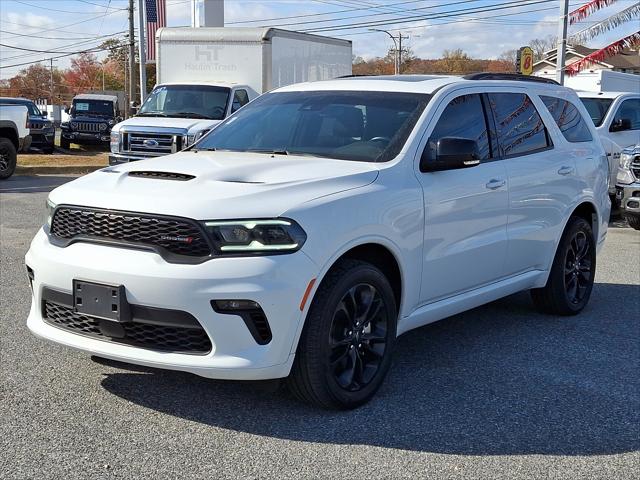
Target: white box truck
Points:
(599, 81)
(206, 74)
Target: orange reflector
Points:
(306, 293)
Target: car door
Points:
(465, 236)
(628, 111)
(541, 175)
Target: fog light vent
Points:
(252, 315)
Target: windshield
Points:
(362, 126)
(190, 101)
(93, 107)
(597, 108)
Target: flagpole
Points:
(141, 45)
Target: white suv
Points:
(311, 228)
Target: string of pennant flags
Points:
(626, 15)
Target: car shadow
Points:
(497, 380)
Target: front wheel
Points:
(571, 278)
(345, 349)
(634, 221)
(8, 158)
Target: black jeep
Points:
(42, 130)
(91, 119)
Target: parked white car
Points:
(14, 136)
(616, 116)
(306, 232)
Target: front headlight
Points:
(279, 235)
(625, 160)
(114, 142)
(50, 209)
(103, 127)
(191, 139)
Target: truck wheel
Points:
(570, 281)
(345, 349)
(65, 143)
(634, 221)
(8, 158)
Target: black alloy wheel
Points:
(8, 158)
(358, 337)
(572, 273)
(344, 352)
(577, 268)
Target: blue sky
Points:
(72, 25)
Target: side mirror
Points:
(620, 125)
(450, 153)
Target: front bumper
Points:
(24, 143)
(44, 138)
(277, 283)
(629, 198)
(86, 138)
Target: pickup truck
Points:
(616, 116)
(14, 136)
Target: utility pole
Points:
(400, 37)
(561, 49)
(51, 63)
(132, 58)
(396, 57)
(141, 44)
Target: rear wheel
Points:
(570, 281)
(8, 158)
(345, 349)
(634, 221)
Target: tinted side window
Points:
(568, 119)
(240, 99)
(463, 118)
(630, 109)
(519, 128)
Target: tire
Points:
(8, 158)
(48, 150)
(634, 221)
(342, 359)
(558, 296)
(65, 143)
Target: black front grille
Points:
(175, 235)
(192, 340)
(635, 167)
(161, 175)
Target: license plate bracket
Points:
(108, 302)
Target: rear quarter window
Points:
(568, 119)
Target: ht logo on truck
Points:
(206, 57)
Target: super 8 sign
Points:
(525, 61)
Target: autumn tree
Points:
(35, 82)
(85, 73)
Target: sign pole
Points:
(561, 50)
(141, 45)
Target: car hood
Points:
(167, 122)
(227, 185)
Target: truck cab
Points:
(616, 116)
(91, 118)
(174, 116)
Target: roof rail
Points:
(509, 76)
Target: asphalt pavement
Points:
(497, 392)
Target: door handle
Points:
(495, 183)
(565, 171)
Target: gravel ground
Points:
(497, 392)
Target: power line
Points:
(40, 7)
(414, 18)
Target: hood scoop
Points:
(181, 177)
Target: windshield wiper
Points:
(151, 114)
(191, 115)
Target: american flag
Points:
(156, 11)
